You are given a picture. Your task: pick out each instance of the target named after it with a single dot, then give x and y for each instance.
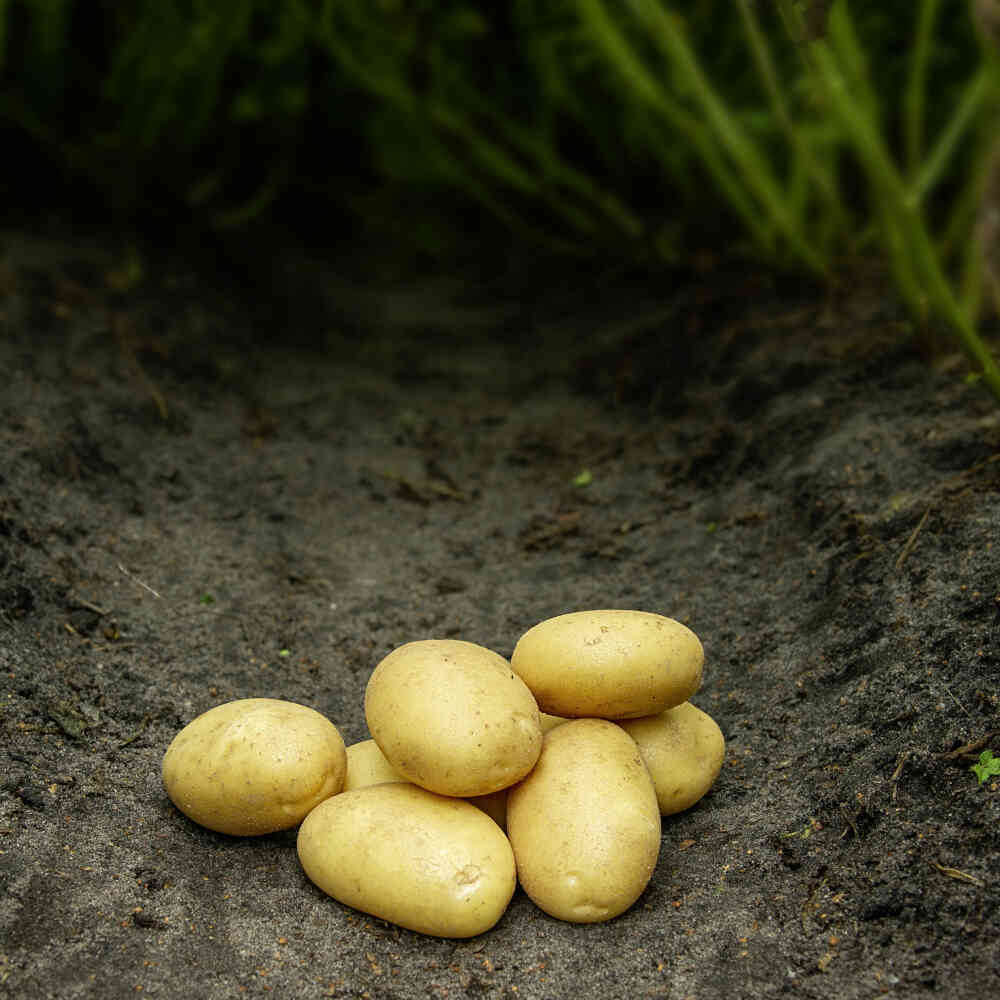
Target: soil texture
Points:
(210, 493)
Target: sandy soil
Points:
(207, 495)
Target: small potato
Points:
(453, 717)
(683, 749)
(494, 804)
(254, 766)
(609, 664)
(584, 824)
(551, 721)
(429, 863)
(366, 765)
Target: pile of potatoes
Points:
(551, 770)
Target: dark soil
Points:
(209, 494)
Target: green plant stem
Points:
(642, 84)
(554, 168)
(795, 134)
(916, 86)
(757, 173)
(970, 104)
(530, 166)
(913, 255)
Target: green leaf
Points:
(583, 478)
(988, 766)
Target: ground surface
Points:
(191, 513)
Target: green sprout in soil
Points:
(987, 767)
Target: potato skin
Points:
(453, 717)
(551, 721)
(427, 862)
(683, 749)
(585, 825)
(366, 765)
(254, 766)
(609, 664)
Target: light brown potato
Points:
(453, 717)
(433, 864)
(254, 766)
(584, 825)
(609, 664)
(683, 749)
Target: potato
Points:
(433, 864)
(254, 766)
(494, 804)
(584, 825)
(683, 749)
(609, 664)
(453, 717)
(366, 765)
(551, 721)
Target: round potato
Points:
(254, 766)
(453, 717)
(683, 749)
(433, 864)
(609, 664)
(584, 825)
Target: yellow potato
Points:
(433, 864)
(366, 765)
(683, 749)
(551, 721)
(254, 766)
(609, 664)
(453, 717)
(584, 824)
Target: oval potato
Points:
(584, 825)
(254, 766)
(430, 863)
(453, 717)
(609, 664)
(683, 749)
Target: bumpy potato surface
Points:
(254, 766)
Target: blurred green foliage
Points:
(805, 133)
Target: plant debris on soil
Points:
(208, 495)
